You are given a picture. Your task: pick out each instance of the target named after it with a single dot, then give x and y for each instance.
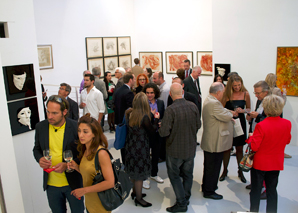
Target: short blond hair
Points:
(273, 105)
(271, 80)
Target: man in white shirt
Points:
(164, 88)
(92, 99)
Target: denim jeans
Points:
(57, 200)
(271, 181)
(177, 169)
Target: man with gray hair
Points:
(158, 79)
(82, 83)
(180, 128)
(192, 84)
(73, 111)
(119, 73)
(217, 137)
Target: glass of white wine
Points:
(67, 155)
(47, 154)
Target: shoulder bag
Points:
(247, 161)
(120, 136)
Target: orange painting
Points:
(151, 60)
(287, 69)
(175, 60)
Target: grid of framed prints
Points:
(175, 60)
(21, 97)
(151, 60)
(108, 53)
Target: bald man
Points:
(180, 125)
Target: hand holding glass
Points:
(67, 155)
(47, 155)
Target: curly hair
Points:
(154, 87)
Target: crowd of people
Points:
(162, 123)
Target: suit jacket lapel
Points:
(46, 136)
(66, 136)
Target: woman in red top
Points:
(268, 141)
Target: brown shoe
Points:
(287, 156)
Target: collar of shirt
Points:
(192, 77)
(153, 106)
(127, 86)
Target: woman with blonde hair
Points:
(91, 139)
(137, 150)
(236, 98)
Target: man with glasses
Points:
(57, 134)
(119, 73)
(73, 111)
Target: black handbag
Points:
(114, 197)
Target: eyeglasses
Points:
(57, 99)
(62, 88)
(142, 79)
(258, 93)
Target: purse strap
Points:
(96, 163)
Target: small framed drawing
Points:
(111, 63)
(110, 46)
(125, 61)
(287, 70)
(124, 45)
(95, 62)
(151, 60)
(223, 70)
(175, 60)
(204, 59)
(94, 47)
(45, 56)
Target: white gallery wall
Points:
(246, 35)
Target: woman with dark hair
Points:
(268, 141)
(181, 73)
(218, 78)
(148, 72)
(142, 80)
(91, 139)
(137, 151)
(110, 86)
(236, 98)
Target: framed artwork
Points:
(23, 115)
(175, 60)
(45, 56)
(94, 47)
(223, 70)
(95, 62)
(111, 63)
(151, 60)
(287, 70)
(124, 45)
(19, 81)
(110, 46)
(125, 61)
(204, 59)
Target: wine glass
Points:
(235, 108)
(284, 89)
(47, 154)
(67, 155)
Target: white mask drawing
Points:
(19, 80)
(24, 117)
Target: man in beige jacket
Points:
(217, 138)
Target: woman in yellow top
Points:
(91, 138)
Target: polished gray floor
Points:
(236, 197)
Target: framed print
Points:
(124, 45)
(125, 61)
(94, 47)
(45, 56)
(223, 70)
(110, 46)
(204, 59)
(111, 63)
(23, 115)
(151, 60)
(175, 60)
(19, 81)
(287, 70)
(95, 62)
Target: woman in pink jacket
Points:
(268, 141)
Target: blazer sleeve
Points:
(166, 124)
(75, 111)
(103, 89)
(221, 113)
(129, 98)
(256, 139)
(37, 150)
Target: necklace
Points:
(57, 128)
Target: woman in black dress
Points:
(236, 98)
(137, 150)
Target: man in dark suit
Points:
(187, 95)
(122, 100)
(192, 85)
(180, 128)
(58, 134)
(187, 68)
(73, 111)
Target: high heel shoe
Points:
(223, 176)
(241, 176)
(139, 203)
(133, 195)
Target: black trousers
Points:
(271, 180)
(212, 165)
(155, 144)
